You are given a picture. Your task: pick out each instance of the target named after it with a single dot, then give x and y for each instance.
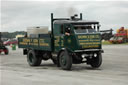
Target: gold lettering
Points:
(56, 41)
(35, 40)
(44, 44)
(88, 36)
(22, 43)
(93, 43)
(26, 40)
(89, 46)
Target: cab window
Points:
(84, 29)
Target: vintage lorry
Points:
(71, 41)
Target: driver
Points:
(67, 31)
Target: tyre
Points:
(33, 59)
(6, 51)
(96, 60)
(65, 60)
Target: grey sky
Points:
(17, 15)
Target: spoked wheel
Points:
(32, 59)
(65, 60)
(96, 60)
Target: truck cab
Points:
(76, 35)
(77, 38)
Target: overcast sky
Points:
(18, 15)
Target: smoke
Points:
(71, 11)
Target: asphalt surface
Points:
(14, 70)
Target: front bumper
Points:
(91, 50)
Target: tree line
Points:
(12, 34)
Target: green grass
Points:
(108, 43)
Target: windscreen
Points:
(83, 29)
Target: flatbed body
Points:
(42, 43)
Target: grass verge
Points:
(108, 43)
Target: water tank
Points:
(37, 30)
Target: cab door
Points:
(58, 37)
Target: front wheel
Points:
(65, 60)
(96, 60)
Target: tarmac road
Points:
(15, 70)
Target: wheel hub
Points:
(63, 60)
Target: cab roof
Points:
(75, 22)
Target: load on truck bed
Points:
(71, 41)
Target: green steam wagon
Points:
(71, 41)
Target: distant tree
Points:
(12, 35)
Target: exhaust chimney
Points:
(81, 16)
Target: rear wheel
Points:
(65, 60)
(33, 59)
(96, 60)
